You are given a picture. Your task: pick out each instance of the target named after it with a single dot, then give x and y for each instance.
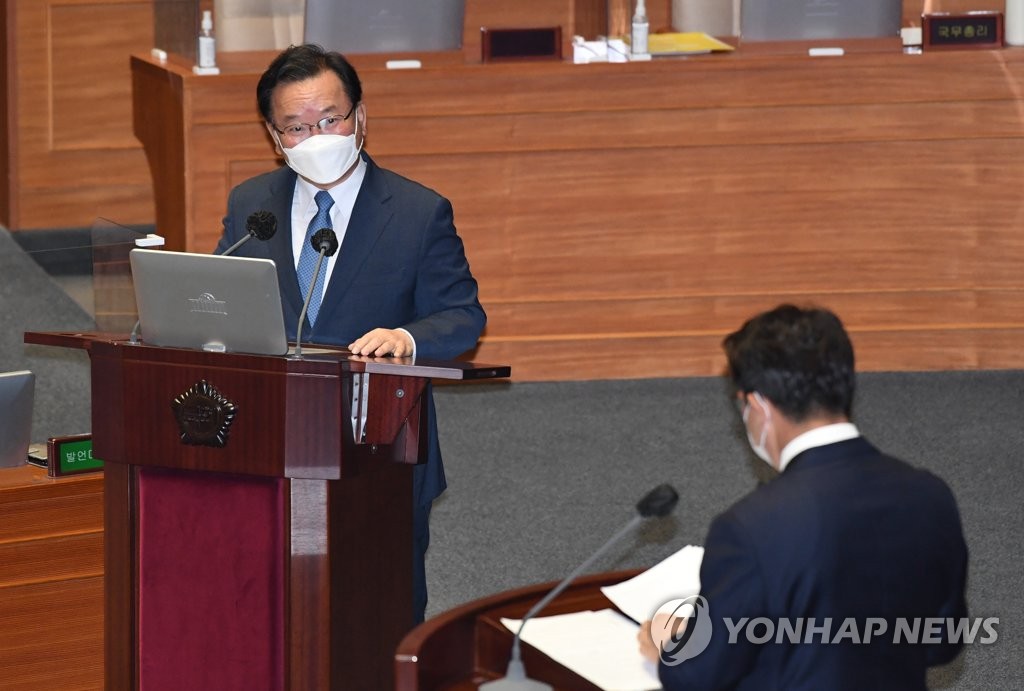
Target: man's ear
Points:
(761, 401)
(361, 112)
(273, 137)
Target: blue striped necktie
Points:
(308, 256)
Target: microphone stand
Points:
(133, 338)
(238, 244)
(327, 243)
(305, 304)
(658, 502)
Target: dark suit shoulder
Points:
(830, 476)
(271, 182)
(390, 182)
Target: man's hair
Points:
(299, 63)
(800, 359)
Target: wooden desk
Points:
(51, 580)
(622, 218)
(466, 646)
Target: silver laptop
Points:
(209, 302)
(17, 395)
(792, 20)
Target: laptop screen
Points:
(793, 20)
(17, 395)
(208, 302)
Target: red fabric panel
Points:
(211, 581)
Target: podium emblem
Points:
(204, 415)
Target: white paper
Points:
(584, 52)
(599, 646)
(674, 578)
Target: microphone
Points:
(657, 503)
(325, 242)
(260, 225)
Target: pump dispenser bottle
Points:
(1013, 21)
(641, 28)
(206, 48)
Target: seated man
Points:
(833, 556)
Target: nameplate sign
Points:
(68, 455)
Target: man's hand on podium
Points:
(383, 343)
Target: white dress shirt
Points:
(304, 209)
(819, 436)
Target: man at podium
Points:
(399, 285)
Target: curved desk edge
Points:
(467, 645)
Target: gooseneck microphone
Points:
(325, 242)
(260, 225)
(657, 503)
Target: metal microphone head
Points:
(658, 502)
(261, 225)
(324, 240)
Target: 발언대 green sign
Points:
(75, 457)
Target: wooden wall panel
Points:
(704, 190)
(86, 71)
(57, 639)
(69, 65)
(51, 580)
(665, 354)
(76, 158)
(640, 316)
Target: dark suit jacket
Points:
(845, 531)
(401, 264)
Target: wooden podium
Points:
(258, 512)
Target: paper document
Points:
(689, 43)
(674, 578)
(602, 646)
(599, 646)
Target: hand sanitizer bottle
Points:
(638, 41)
(207, 53)
(1013, 20)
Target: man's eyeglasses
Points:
(331, 124)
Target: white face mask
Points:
(759, 447)
(323, 158)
